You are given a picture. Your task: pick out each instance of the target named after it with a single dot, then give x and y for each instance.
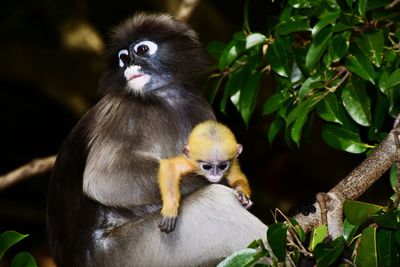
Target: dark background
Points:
(46, 86)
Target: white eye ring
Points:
(120, 53)
(152, 47)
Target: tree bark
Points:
(353, 185)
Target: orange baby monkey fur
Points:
(209, 141)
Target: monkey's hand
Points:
(243, 199)
(167, 223)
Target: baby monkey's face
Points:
(214, 171)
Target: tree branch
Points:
(356, 183)
(185, 9)
(35, 167)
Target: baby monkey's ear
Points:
(186, 151)
(239, 150)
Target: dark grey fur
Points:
(104, 201)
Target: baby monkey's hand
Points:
(243, 199)
(167, 224)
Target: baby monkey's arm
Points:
(169, 176)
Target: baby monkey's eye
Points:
(223, 166)
(206, 166)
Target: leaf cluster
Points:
(22, 259)
(332, 60)
(371, 237)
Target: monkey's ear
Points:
(186, 151)
(239, 150)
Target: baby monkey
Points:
(212, 152)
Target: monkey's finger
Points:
(167, 224)
(242, 198)
(249, 204)
(163, 224)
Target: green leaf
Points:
(357, 212)
(392, 81)
(394, 100)
(318, 235)
(327, 19)
(299, 116)
(299, 231)
(361, 65)
(386, 220)
(327, 254)
(394, 180)
(258, 243)
(343, 139)
(339, 27)
(387, 251)
(245, 99)
(273, 103)
(374, 4)
(382, 83)
(318, 47)
(296, 130)
(357, 102)
(233, 85)
(276, 236)
(366, 252)
(216, 48)
(230, 53)
(304, 107)
(337, 49)
(304, 3)
(349, 230)
(379, 115)
(293, 25)
(328, 109)
(23, 259)
(310, 84)
(274, 129)
(372, 45)
(279, 58)
(244, 257)
(8, 239)
(254, 39)
(362, 7)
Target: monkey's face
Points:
(149, 52)
(140, 63)
(214, 171)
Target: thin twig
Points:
(35, 167)
(393, 4)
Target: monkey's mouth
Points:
(214, 179)
(134, 76)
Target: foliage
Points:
(371, 237)
(336, 61)
(332, 60)
(22, 259)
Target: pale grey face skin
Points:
(214, 171)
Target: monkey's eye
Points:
(144, 47)
(123, 57)
(205, 166)
(223, 166)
